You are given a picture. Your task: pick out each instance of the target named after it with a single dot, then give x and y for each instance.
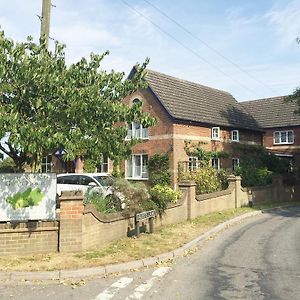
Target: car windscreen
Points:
(104, 180)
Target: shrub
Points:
(252, 176)
(158, 166)
(162, 195)
(106, 205)
(206, 178)
(7, 165)
(136, 196)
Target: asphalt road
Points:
(256, 259)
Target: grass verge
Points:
(126, 249)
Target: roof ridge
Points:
(189, 82)
(264, 99)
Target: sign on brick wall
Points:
(27, 197)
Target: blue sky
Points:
(256, 37)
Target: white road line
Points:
(146, 286)
(114, 288)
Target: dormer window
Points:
(235, 136)
(215, 133)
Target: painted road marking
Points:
(110, 292)
(146, 286)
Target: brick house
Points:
(281, 125)
(187, 111)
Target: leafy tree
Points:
(47, 105)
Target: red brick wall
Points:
(293, 149)
(168, 137)
(71, 213)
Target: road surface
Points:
(258, 258)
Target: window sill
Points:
(143, 139)
(235, 141)
(278, 144)
(136, 178)
(215, 139)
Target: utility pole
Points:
(45, 21)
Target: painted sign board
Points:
(28, 196)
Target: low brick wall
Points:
(99, 229)
(28, 237)
(82, 227)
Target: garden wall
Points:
(29, 237)
(82, 227)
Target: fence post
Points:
(71, 219)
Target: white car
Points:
(83, 182)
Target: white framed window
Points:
(235, 137)
(137, 166)
(193, 163)
(235, 163)
(103, 167)
(283, 137)
(215, 163)
(46, 165)
(137, 131)
(215, 133)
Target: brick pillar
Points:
(191, 196)
(236, 182)
(71, 215)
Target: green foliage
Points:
(295, 97)
(252, 176)
(206, 178)
(223, 178)
(7, 165)
(135, 196)
(162, 195)
(89, 165)
(105, 205)
(158, 167)
(204, 156)
(30, 197)
(257, 165)
(46, 104)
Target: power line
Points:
(208, 46)
(188, 48)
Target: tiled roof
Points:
(190, 101)
(273, 112)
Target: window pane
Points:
(137, 166)
(103, 167)
(129, 132)
(144, 133)
(215, 163)
(283, 137)
(193, 163)
(276, 137)
(144, 166)
(46, 165)
(290, 136)
(235, 163)
(129, 168)
(137, 130)
(215, 132)
(235, 135)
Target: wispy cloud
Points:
(286, 21)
